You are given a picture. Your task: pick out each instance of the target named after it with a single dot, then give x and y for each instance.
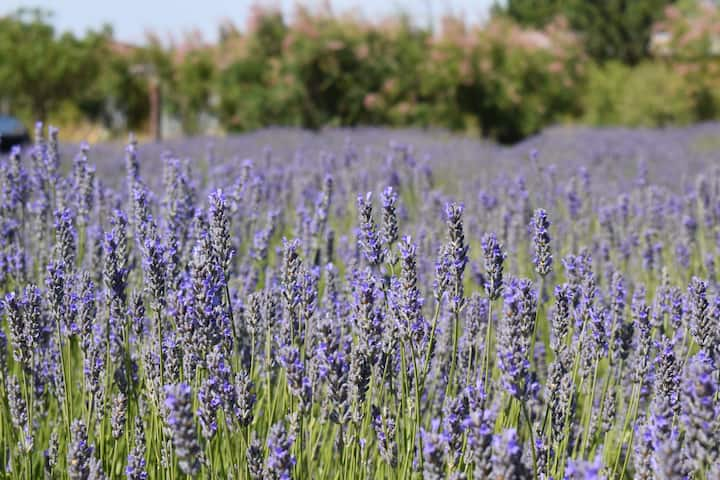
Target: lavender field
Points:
(362, 304)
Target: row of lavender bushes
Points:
(270, 318)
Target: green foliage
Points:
(617, 94)
(535, 63)
(336, 71)
(532, 13)
(514, 90)
(344, 63)
(117, 91)
(40, 69)
(252, 96)
(268, 34)
(192, 94)
(616, 29)
(611, 29)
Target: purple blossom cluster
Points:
(339, 309)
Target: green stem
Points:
(230, 313)
(161, 355)
(63, 362)
(488, 339)
(449, 388)
(417, 403)
(28, 402)
(526, 414)
(630, 413)
(589, 406)
(426, 365)
(401, 418)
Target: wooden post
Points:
(155, 109)
(148, 71)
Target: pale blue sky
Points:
(131, 18)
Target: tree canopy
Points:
(610, 29)
(41, 68)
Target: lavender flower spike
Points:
(368, 236)
(279, 463)
(181, 421)
(494, 258)
(79, 452)
(507, 458)
(541, 242)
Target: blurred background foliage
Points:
(533, 63)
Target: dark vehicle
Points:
(12, 132)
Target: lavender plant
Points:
(211, 318)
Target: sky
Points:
(132, 18)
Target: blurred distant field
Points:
(671, 156)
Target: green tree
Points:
(194, 77)
(610, 29)
(39, 69)
(616, 29)
(117, 93)
(530, 13)
(253, 87)
(617, 94)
